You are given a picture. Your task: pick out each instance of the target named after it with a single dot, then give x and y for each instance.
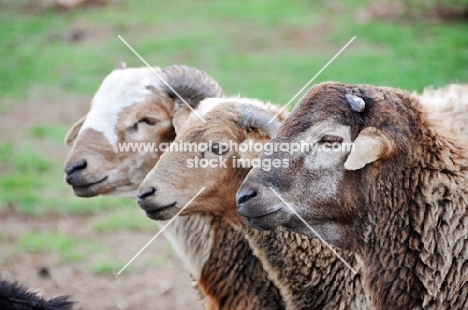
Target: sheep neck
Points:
(220, 260)
(308, 274)
(234, 276)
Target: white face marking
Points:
(120, 89)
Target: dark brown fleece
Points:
(308, 273)
(409, 211)
(422, 196)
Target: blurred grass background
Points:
(268, 49)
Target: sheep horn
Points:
(191, 84)
(357, 103)
(256, 117)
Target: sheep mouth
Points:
(161, 212)
(89, 189)
(88, 185)
(266, 221)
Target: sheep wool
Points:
(448, 107)
(308, 273)
(425, 226)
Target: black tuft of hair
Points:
(14, 296)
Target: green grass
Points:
(411, 56)
(34, 46)
(111, 266)
(124, 219)
(53, 132)
(262, 48)
(70, 249)
(158, 261)
(34, 185)
(234, 41)
(20, 181)
(27, 160)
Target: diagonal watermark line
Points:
(160, 231)
(313, 230)
(161, 78)
(312, 79)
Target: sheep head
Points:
(131, 106)
(354, 132)
(214, 162)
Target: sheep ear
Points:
(73, 132)
(370, 145)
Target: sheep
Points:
(397, 198)
(125, 109)
(132, 105)
(307, 273)
(15, 296)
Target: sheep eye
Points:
(148, 121)
(133, 128)
(331, 139)
(216, 150)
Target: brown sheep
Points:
(308, 273)
(397, 199)
(132, 105)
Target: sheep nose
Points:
(145, 193)
(244, 195)
(80, 165)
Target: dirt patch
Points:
(408, 11)
(254, 38)
(84, 32)
(158, 287)
(24, 114)
(38, 6)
